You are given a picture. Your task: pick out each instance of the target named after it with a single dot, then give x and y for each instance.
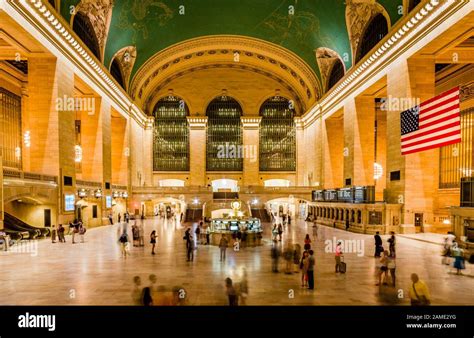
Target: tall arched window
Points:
(337, 72)
(224, 135)
(277, 135)
(116, 72)
(10, 129)
(374, 32)
(171, 135)
(82, 26)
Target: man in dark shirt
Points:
(378, 244)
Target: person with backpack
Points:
(123, 240)
(153, 241)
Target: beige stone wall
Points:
(333, 144)
(32, 214)
(119, 142)
(381, 157)
(197, 155)
(251, 159)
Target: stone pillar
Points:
(413, 78)
(359, 139)
(105, 112)
(148, 151)
(197, 141)
(251, 149)
(333, 144)
(381, 154)
(119, 145)
(301, 154)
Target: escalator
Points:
(13, 224)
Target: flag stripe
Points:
(434, 137)
(433, 146)
(426, 115)
(439, 102)
(442, 119)
(446, 93)
(423, 132)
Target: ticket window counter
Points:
(250, 230)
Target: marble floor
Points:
(95, 273)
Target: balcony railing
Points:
(20, 175)
(89, 184)
(243, 190)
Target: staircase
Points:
(193, 215)
(262, 215)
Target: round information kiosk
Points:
(233, 220)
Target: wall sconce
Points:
(117, 194)
(98, 193)
(125, 195)
(82, 193)
(18, 153)
(378, 171)
(78, 153)
(27, 139)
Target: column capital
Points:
(150, 122)
(197, 122)
(299, 123)
(251, 122)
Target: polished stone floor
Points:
(95, 273)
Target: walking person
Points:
(307, 243)
(153, 238)
(392, 243)
(141, 234)
(208, 235)
(119, 217)
(198, 233)
(61, 236)
(243, 288)
(223, 247)
(135, 235)
(339, 254)
(310, 271)
(275, 255)
(391, 265)
(191, 248)
(378, 244)
(75, 230)
(124, 244)
(458, 255)
(274, 232)
(304, 264)
(315, 231)
(53, 234)
(187, 235)
(82, 231)
(231, 292)
(288, 255)
(296, 257)
(419, 293)
(280, 232)
(383, 268)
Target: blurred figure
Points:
(208, 235)
(231, 292)
(315, 230)
(338, 256)
(187, 234)
(274, 232)
(135, 234)
(458, 255)
(310, 271)
(191, 247)
(304, 264)
(378, 244)
(392, 243)
(296, 257)
(307, 243)
(280, 232)
(198, 234)
(446, 251)
(223, 247)
(243, 288)
(141, 234)
(275, 254)
(61, 236)
(153, 241)
(53, 233)
(419, 293)
(137, 291)
(147, 300)
(119, 217)
(391, 265)
(82, 231)
(288, 255)
(383, 268)
(123, 240)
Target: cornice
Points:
(54, 28)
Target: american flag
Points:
(434, 123)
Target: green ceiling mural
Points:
(152, 25)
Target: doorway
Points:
(47, 218)
(418, 223)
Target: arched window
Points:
(171, 135)
(82, 26)
(224, 135)
(337, 72)
(412, 4)
(116, 72)
(277, 135)
(374, 32)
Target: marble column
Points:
(251, 149)
(197, 156)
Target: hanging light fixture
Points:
(378, 171)
(78, 153)
(27, 139)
